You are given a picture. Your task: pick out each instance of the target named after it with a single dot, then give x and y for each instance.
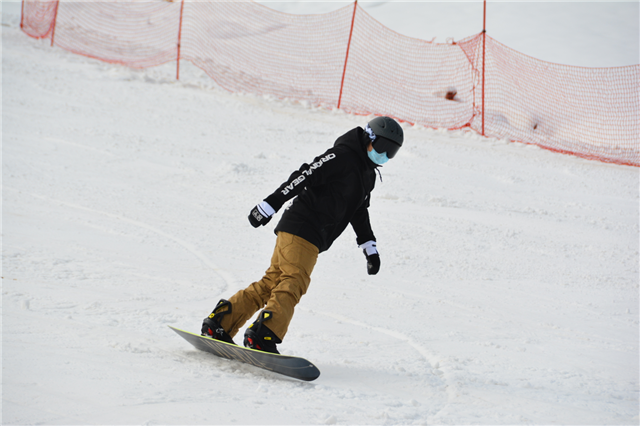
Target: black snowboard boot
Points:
(211, 325)
(258, 336)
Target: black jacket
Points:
(332, 192)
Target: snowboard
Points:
(291, 366)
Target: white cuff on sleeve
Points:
(370, 247)
(265, 209)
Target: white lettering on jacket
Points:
(307, 172)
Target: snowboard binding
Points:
(211, 325)
(259, 336)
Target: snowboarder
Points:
(332, 192)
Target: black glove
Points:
(261, 214)
(373, 263)
(370, 251)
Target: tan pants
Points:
(279, 291)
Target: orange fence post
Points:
(55, 18)
(344, 70)
(179, 41)
(22, 16)
(484, 39)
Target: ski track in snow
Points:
(508, 292)
(225, 276)
(432, 366)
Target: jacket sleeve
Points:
(323, 169)
(362, 225)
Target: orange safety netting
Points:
(346, 59)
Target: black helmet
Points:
(389, 135)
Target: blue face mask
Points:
(377, 158)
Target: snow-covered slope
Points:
(508, 292)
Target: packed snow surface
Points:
(508, 292)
